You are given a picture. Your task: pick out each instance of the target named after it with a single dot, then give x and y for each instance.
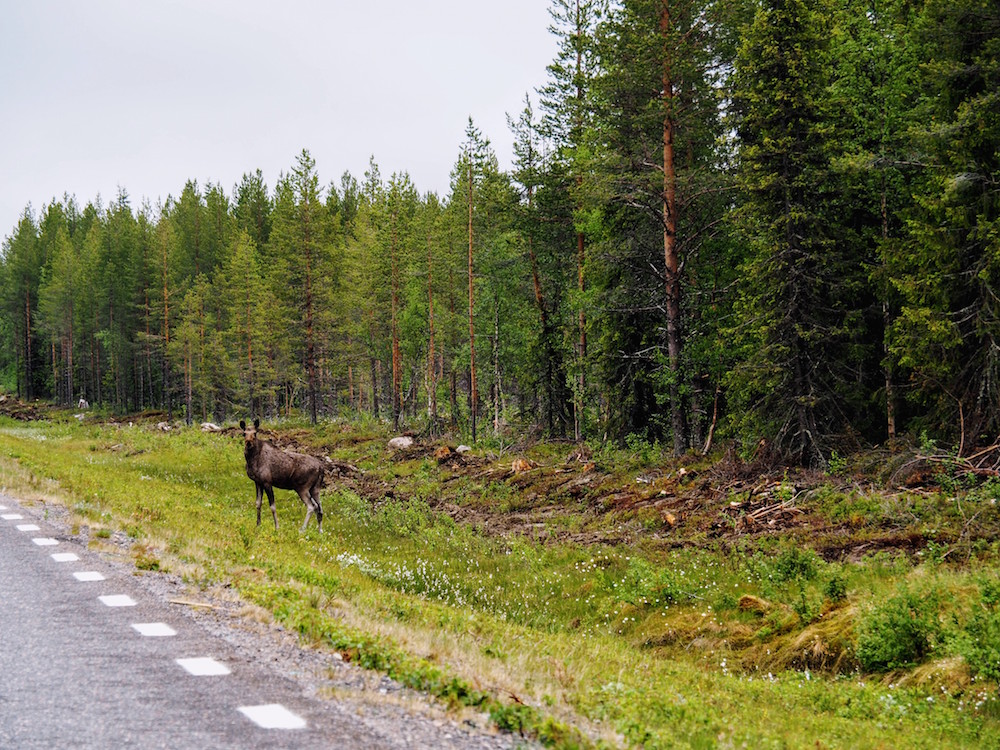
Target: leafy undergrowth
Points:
(584, 597)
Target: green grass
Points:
(635, 645)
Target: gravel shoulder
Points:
(400, 716)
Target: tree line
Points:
(766, 219)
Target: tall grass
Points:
(695, 647)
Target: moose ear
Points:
(256, 423)
(243, 425)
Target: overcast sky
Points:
(146, 94)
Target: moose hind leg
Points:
(318, 509)
(307, 501)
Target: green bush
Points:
(795, 564)
(644, 452)
(981, 643)
(898, 633)
(646, 586)
(835, 588)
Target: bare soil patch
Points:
(574, 499)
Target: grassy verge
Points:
(762, 644)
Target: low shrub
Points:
(898, 633)
(795, 564)
(981, 642)
(645, 585)
(835, 588)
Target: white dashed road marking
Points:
(118, 600)
(154, 629)
(203, 666)
(88, 575)
(273, 716)
(268, 716)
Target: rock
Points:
(401, 443)
(521, 465)
(163, 426)
(463, 449)
(751, 603)
(210, 427)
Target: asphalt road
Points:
(87, 660)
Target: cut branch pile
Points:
(747, 516)
(916, 470)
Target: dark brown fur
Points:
(271, 467)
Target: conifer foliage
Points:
(749, 219)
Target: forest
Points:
(747, 220)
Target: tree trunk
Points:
(543, 316)
(672, 263)
(251, 395)
(70, 386)
(310, 340)
(890, 389)
(201, 358)
(431, 381)
(148, 349)
(55, 368)
(581, 384)
(166, 337)
(397, 375)
(188, 388)
(373, 364)
(497, 387)
(29, 391)
(473, 392)
(578, 401)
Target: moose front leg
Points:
(270, 499)
(260, 499)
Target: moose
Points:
(271, 467)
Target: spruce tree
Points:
(948, 269)
(802, 286)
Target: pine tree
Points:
(252, 208)
(566, 102)
(475, 190)
(431, 217)
(400, 211)
(22, 261)
(57, 299)
(658, 178)
(243, 288)
(543, 219)
(300, 245)
(119, 285)
(364, 293)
